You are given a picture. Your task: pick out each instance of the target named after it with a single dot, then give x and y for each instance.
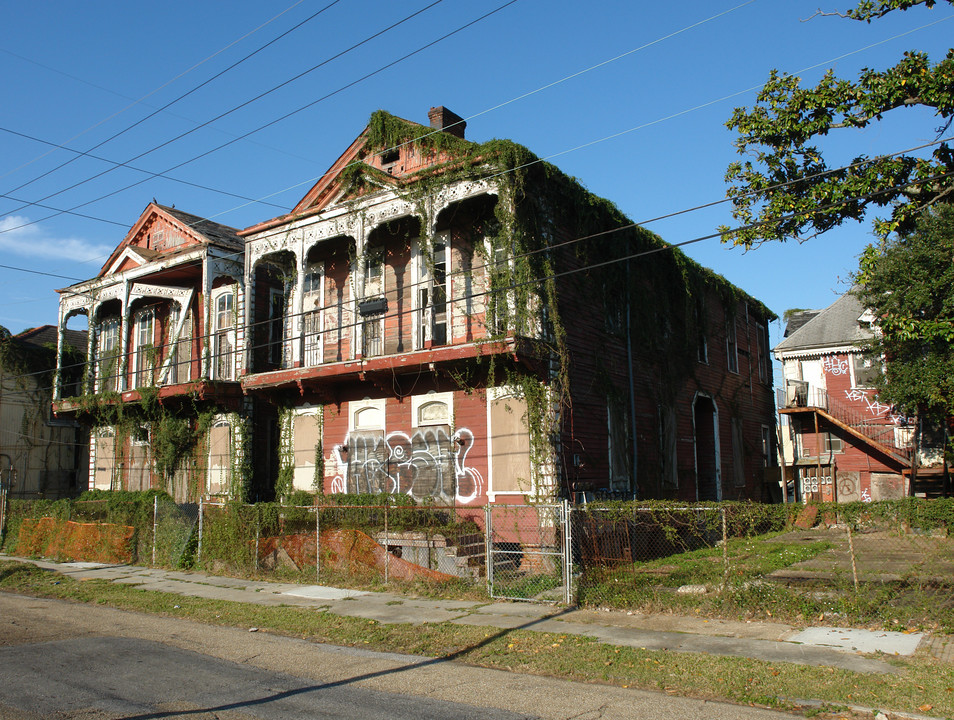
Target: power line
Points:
(116, 164)
(625, 131)
(229, 112)
(147, 95)
(503, 290)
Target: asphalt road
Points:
(68, 661)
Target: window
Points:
(374, 264)
(432, 294)
(312, 282)
(367, 451)
(738, 457)
(833, 443)
(180, 371)
(509, 443)
(731, 345)
(311, 330)
(667, 446)
(276, 327)
(768, 446)
(223, 365)
(144, 350)
(499, 300)
(107, 352)
(434, 408)
(311, 318)
(220, 455)
(765, 365)
(702, 346)
(372, 336)
(865, 370)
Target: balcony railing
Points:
(875, 424)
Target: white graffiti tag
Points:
(872, 406)
(835, 366)
(427, 464)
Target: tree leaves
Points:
(787, 190)
(908, 283)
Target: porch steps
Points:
(461, 555)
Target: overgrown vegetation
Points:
(922, 685)
(539, 209)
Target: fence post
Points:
(199, 548)
(258, 534)
(387, 553)
(155, 525)
(725, 551)
(317, 544)
(488, 549)
(568, 595)
(851, 549)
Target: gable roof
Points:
(836, 326)
(201, 230)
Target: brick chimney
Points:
(450, 122)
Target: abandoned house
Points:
(41, 455)
(844, 444)
(457, 321)
(161, 394)
(464, 323)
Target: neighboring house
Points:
(844, 444)
(161, 394)
(466, 324)
(41, 456)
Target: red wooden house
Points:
(464, 323)
(846, 444)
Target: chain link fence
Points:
(528, 552)
(730, 558)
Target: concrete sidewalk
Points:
(850, 649)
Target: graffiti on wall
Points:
(878, 409)
(835, 366)
(427, 464)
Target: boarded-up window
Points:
(307, 439)
(509, 446)
(220, 451)
(738, 462)
(667, 447)
(618, 447)
(138, 465)
(105, 460)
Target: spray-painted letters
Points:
(835, 366)
(427, 464)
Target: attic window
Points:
(389, 157)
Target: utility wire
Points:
(710, 204)
(505, 289)
(81, 153)
(229, 112)
(147, 95)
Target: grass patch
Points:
(743, 592)
(922, 681)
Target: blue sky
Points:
(629, 97)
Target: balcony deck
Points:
(523, 350)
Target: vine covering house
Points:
(465, 323)
(458, 321)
